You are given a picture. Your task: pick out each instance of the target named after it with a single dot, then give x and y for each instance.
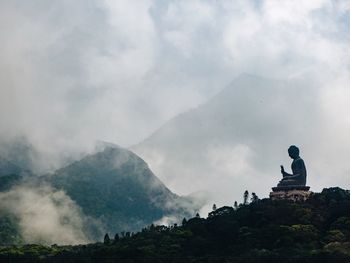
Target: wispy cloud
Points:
(45, 216)
(75, 72)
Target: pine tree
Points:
(184, 221)
(116, 237)
(106, 239)
(245, 197)
(214, 207)
(235, 205)
(197, 215)
(254, 198)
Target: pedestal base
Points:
(290, 187)
(298, 193)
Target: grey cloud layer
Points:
(72, 72)
(45, 216)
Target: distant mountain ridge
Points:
(10, 174)
(236, 134)
(6, 167)
(117, 187)
(115, 190)
(20, 152)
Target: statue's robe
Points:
(299, 174)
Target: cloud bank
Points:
(45, 216)
(75, 72)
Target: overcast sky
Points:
(73, 72)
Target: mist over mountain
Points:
(20, 152)
(112, 190)
(76, 72)
(165, 80)
(7, 167)
(116, 187)
(11, 173)
(266, 231)
(33, 157)
(238, 139)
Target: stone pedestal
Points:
(294, 193)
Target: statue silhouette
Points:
(298, 177)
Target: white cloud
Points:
(72, 72)
(45, 216)
(230, 160)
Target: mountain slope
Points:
(20, 152)
(117, 188)
(112, 191)
(7, 167)
(238, 136)
(10, 174)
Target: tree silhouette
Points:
(315, 230)
(245, 197)
(214, 207)
(235, 205)
(254, 198)
(106, 239)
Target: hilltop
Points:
(317, 230)
(116, 187)
(111, 190)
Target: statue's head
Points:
(293, 152)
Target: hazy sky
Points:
(72, 72)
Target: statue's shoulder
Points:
(298, 161)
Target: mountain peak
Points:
(116, 187)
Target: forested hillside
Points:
(317, 230)
(117, 188)
(111, 190)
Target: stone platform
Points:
(294, 193)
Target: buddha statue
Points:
(298, 176)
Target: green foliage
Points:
(116, 188)
(254, 198)
(106, 239)
(335, 235)
(266, 231)
(7, 181)
(9, 229)
(7, 168)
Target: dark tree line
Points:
(317, 230)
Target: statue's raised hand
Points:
(282, 170)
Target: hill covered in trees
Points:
(111, 190)
(117, 188)
(317, 230)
